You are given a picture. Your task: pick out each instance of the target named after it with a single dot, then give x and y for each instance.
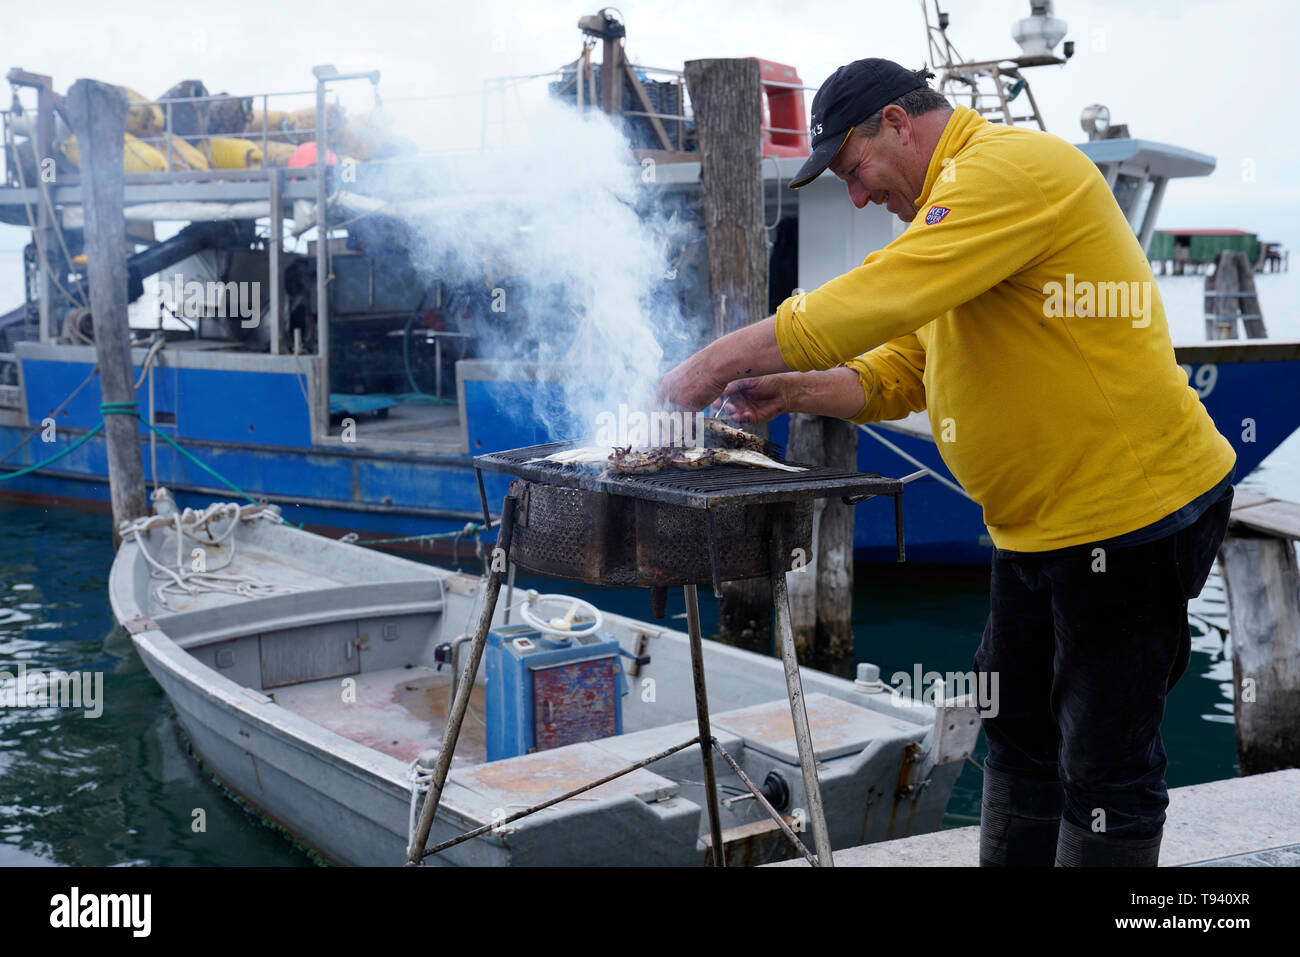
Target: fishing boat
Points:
(379, 398)
(313, 678)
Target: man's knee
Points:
(1111, 801)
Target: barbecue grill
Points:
(676, 527)
(646, 530)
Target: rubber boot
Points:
(1080, 847)
(1019, 818)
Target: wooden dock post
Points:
(805, 445)
(97, 114)
(1221, 306)
(835, 554)
(727, 96)
(1252, 316)
(821, 597)
(1258, 564)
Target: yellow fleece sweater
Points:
(1018, 308)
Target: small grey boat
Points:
(313, 678)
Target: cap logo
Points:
(816, 130)
(936, 215)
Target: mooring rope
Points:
(179, 579)
(419, 777)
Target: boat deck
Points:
(260, 564)
(400, 712)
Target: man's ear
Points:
(896, 118)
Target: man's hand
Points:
(690, 385)
(835, 392)
(757, 400)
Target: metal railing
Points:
(169, 135)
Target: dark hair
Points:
(917, 102)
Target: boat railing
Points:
(169, 104)
(16, 123)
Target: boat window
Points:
(1127, 187)
(1138, 216)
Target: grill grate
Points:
(708, 488)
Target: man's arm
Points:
(892, 380)
(998, 222)
(748, 352)
(886, 383)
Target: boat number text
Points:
(1202, 378)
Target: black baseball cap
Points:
(850, 95)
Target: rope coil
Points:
(180, 579)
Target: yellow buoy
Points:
(185, 156)
(279, 125)
(277, 154)
(142, 117)
(137, 157)
(229, 152)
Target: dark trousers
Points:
(1086, 643)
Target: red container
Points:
(783, 109)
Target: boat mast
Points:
(990, 87)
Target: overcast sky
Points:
(1205, 75)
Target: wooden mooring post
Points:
(1258, 564)
(1229, 296)
(821, 592)
(727, 96)
(97, 114)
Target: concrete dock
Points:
(1250, 821)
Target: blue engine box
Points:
(544, 692)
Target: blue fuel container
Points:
(545, 692)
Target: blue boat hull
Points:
(224, 423)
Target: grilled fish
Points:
(719, 435)
(751, 459)
(628, 461)
(587, 455)
(694, 458)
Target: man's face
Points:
(875, 171)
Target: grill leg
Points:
(718, 856)
(794, 686)
(465, 687)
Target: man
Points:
(1019, 309)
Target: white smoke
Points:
(577, 263)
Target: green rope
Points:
(129, 408)
(203, 465)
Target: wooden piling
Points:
(1258, 564)
(727, 97)
(805, 445)
(821, 596)
(834, 645)
(1221, 304)
(1252, 316)
(97, 113)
